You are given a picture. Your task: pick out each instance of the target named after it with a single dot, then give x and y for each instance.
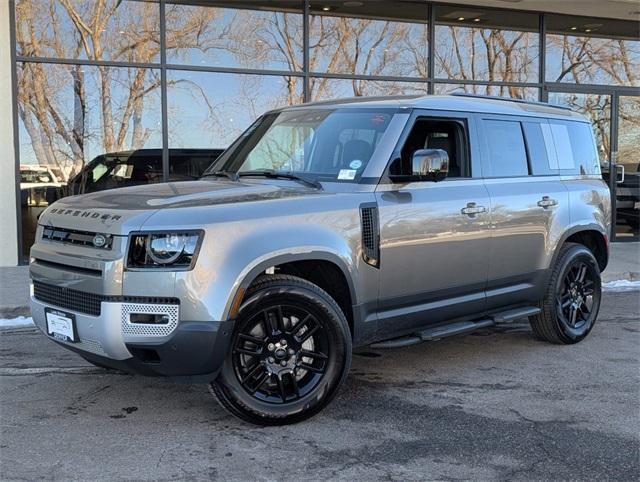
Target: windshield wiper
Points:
(282, 175)
(231, 175)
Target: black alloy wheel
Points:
(570, 307)
(290, 352)
(577, 295)
(281, 353)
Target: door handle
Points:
(621, 168)
(472, 209)
(547, 202)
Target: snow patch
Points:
(621, 285)
(19, 322)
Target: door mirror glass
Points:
(430, 164)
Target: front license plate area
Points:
(61, 325)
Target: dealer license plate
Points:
(61, 325)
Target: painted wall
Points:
(8, 223)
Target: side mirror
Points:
(430, 164)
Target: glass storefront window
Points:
(235, 37)
(71, 114)
(526, 93)
(584, 50)
(116, 30)
(476, 44)
(328, 88)
(628, 192)
(353, 40)
(209, 110)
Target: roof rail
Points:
(509, 99)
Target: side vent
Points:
(370, 234)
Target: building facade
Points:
(86, 78)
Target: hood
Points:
(120, 211)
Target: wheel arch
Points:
(593, 237)
(324, 268)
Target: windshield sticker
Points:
(379, 119)
(347, 174)
(355, 164)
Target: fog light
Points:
(148, 319)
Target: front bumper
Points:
(192, 349)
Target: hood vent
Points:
(370, 234)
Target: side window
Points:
(540, 148)
(506, 150)
(447, 135)
(576, 148)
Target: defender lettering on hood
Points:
(85, 214)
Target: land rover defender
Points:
(326, 227)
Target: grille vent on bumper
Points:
(370, 234)
(88, 303)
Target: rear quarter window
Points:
(575, 147)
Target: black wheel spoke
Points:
(294, 384)
(281, 389)
(246, 351)
(310, 324)
(584, 309)
(251, 338)
(259, 383)
(573, 313)
(314, 355)
(311, 368)
(582, 272)
(254, 371)
(273, 320)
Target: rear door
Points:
(433, 253)
(529, 205)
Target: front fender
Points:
(224, 268)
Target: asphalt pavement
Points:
(496, 404)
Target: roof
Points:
(455, 102)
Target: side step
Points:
(457, 328)
(515, 314)
(452, 329)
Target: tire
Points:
(289, 354)
(574, 287)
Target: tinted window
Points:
(505, 145)
(540, 148)
(576, 148)
(185, 167)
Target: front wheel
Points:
(290, 352)
(572, 300)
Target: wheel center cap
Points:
(280, 353)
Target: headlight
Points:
(164, 250)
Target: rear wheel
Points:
(572, 301)
(291, 351)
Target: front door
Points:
(434, 236)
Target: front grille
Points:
(88, 303)
(78, 238)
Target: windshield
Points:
(323, 144)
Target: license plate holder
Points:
(61, 325)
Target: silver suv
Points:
(326, 227)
